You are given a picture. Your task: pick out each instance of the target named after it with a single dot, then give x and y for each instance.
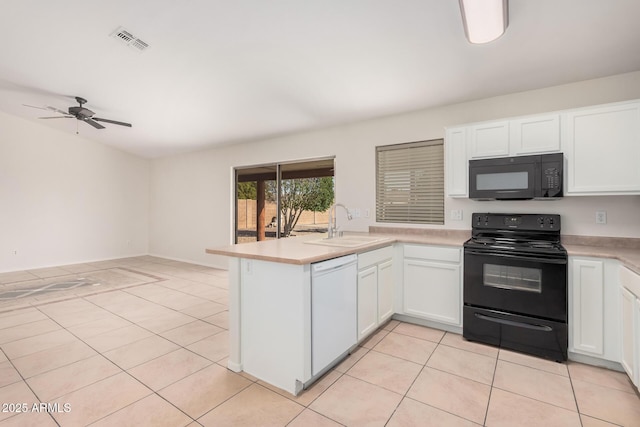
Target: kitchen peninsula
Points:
(270, 288)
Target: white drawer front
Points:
(374, 257)
(437, 253)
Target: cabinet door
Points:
(602, 148)
(628, 341)
(367, 301)
(587, 319)
(537, 134)
(456, 164)
(489, 140)
(385, 291)
(432, 290)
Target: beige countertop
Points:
(630, 258)
(296, 251)
(624, 249)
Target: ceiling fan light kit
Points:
(484, 20)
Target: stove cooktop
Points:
(522, 233)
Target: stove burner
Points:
(484, 240)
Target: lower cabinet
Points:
(367, 301)
(386, 290)
(630, 317)
(594, 304)
(433, 283)
(375, 290)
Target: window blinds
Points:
(410, 182)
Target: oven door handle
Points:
(518, 257)
(543, 328)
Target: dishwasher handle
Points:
(333, 264)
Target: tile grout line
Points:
(24, 381)
(493, 378)
(122, 370)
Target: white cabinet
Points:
(489, 140)
(519, 136)
(375, 290)
(535, 134)
(367, 301)
(602, 148)
(593, 308)
(588, 305)
(630, 317)
(515, 137)
(628, 325)
(456, 167)
(386, 290)
(432, 283)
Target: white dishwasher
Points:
(334, 328)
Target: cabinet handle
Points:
(543, 328)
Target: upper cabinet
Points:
(535, 135)
(601, 146)
(489, 140)
(456, 165)
(602, 149)
(523, 135)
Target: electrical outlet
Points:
(456, 215)
(601, 217)
(357, 213)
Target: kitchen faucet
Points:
(333, 228)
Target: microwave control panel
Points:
(551, 179)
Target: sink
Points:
(347, 241)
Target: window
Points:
(410, 182)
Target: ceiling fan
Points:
(81, 113)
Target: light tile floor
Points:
(148, 347)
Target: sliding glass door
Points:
(283, 199)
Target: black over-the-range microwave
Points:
(516, 178)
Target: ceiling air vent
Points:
(129, 39)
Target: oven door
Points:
(522, 284)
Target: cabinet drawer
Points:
(630, 280)
(437, 253)
(374, 257)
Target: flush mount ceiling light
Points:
(484, 20)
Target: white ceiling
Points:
(220, 72)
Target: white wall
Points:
(191, 194)
(65, 199)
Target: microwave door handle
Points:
(517, 257)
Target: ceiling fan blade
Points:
(58, 117)
(33, 106)
(94, 124)
(57, 110)
(98, 119)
